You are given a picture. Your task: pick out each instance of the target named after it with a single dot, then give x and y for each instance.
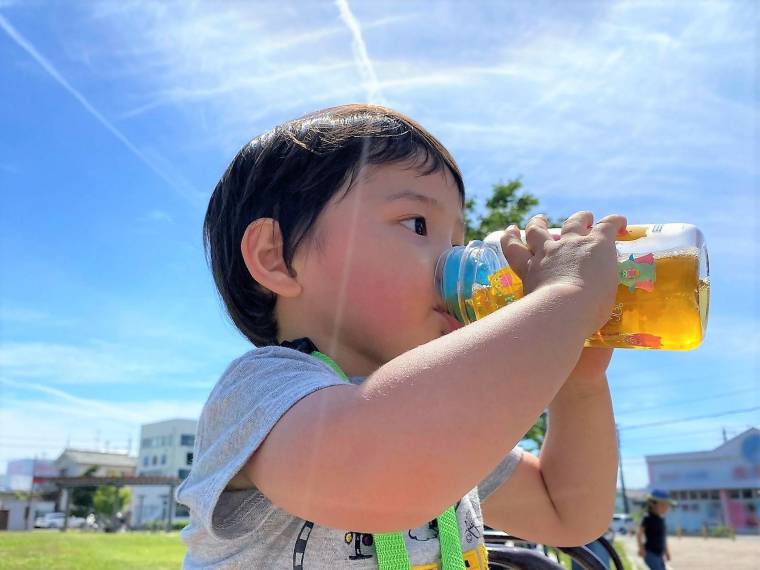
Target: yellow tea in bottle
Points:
(663, 286)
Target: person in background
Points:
(652, 535)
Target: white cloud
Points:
(363, 61)
(44, 426)
(94, 362)
(21, 315)
(156, 216)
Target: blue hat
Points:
(660, 495)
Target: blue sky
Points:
(119, 117)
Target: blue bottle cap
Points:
(459, 271)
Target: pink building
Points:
(720, 487)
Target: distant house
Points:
(720, 486)
(19, 473)
(75, 462)
(18, 510)
(166, 449)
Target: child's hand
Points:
(583, 258)
(591, 365)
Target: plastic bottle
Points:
(663, 292)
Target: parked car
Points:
(622, 524)
(55, 520)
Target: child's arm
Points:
(576, 474)
(425, 428)
(640, 538)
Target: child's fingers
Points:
(611, 225)
(515, 250)
(579, 223)
(537, 234)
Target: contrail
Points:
(366, 69)
(118, 414)
(24, 44)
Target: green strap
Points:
(390, 548)
(448, 536)
(331, 363)
(391, 551)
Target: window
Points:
(163, 459)
(715, 495)
(155, 459)
(703, 495)
(189, 458)
(746, 493)
(183, 473)
(146, 460)
(181, 511)
(693, 495)
(146, 442)
(733, 493)
(187, 440)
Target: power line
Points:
(634, 383)
(667, 422)
(678, 402)
(644, 439)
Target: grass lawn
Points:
(74, 550)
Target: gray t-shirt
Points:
(243, 529)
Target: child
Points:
(652, 534)
(366, 427)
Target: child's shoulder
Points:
(263, 368)
(263, 359)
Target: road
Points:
(696, 553)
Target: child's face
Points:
(661, 508)
(367, 275)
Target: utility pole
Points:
(622, 479)
(31, 494)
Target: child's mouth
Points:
(451, 323)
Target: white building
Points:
(18, 512)
(76, 462)
(166, 449)
(717, 487)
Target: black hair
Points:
(289, 174)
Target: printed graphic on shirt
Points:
(359, 539)
(423, 534)
(476, 559)
(360, 546)
(471, 530)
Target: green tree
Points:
(508, 204)
(108, 500)
(82, 497)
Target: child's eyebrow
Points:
(417, 197)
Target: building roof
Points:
(102, 458)
(728, 448)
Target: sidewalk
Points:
(696, 553)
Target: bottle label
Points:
(505, 284)
(637, 272)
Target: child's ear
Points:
(261, 247)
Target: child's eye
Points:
(418, 225)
